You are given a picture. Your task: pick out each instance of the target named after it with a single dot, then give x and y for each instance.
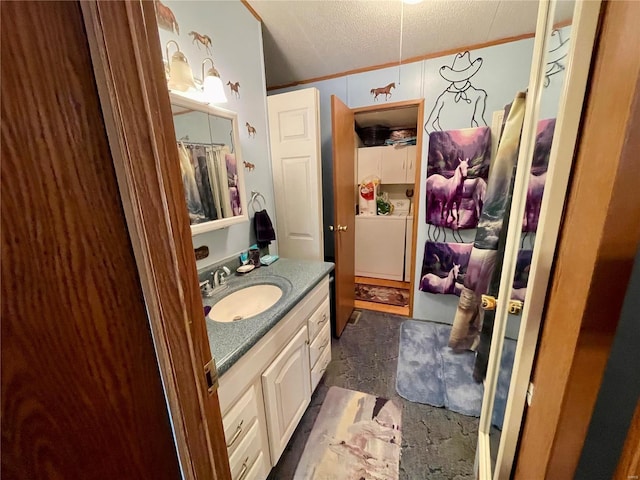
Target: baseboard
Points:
(381, 307)
(382, 282)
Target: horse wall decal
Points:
(250, 130)
(447, 192)
(434, 284)
(235, 88)
(383, 90)
(165, 17)
(249, 166)
(198, 39)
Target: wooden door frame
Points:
(417, 184)
(341, 183)
(126, 55)
(598, 242)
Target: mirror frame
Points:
(212, 225)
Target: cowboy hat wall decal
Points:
(200, 39)
(460, 97)
(386, 91)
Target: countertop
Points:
(230, 341)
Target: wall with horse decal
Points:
(504, 70)
(232, 37)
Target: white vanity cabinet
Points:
(265, 393)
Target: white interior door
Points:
(294, 131)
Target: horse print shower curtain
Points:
(485, 262)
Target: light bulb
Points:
(214, 90)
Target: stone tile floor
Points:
(436, 443)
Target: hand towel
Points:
(263, 228)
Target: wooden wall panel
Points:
(128, 64)
(81, 390)
(598, 243)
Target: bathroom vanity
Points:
(271, 363)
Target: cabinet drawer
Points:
(240, 419)
(318, 346)
(320, 368)
(247, 453)
(319, 319)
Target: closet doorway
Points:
(376, 164)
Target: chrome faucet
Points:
(205, 289)
(220, 278)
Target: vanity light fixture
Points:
(212, 86)
(180, 74)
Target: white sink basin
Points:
(245, 303)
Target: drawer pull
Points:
(243, 472)
(236, 435)
(326, 364)
(324, 345)
(324, 319)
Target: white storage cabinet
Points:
(393, 165)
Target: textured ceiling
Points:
(305, 39)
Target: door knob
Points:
(331, 228)
(342, 228)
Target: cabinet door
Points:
(368, 162)
(287, 391)
(411, 163)
(393, 165)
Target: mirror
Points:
(528, 259)
(210, 163)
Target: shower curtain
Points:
(485, 263)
